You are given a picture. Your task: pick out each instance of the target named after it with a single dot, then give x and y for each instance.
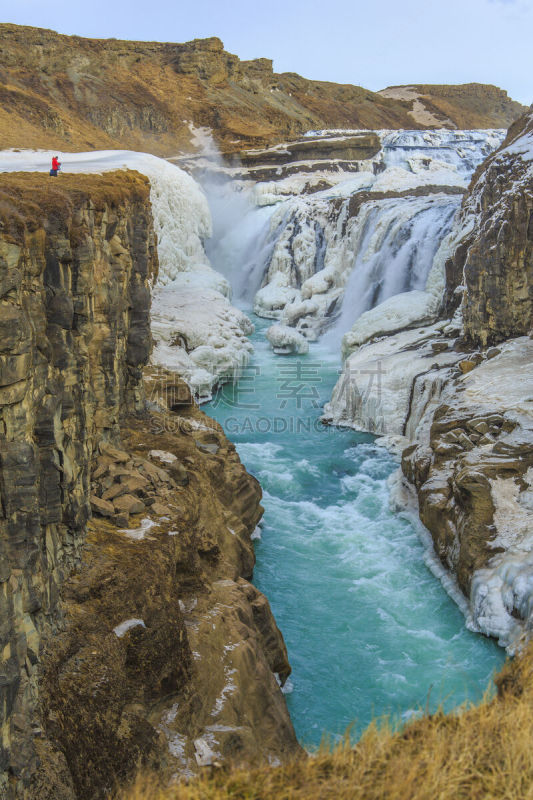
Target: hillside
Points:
(71, 93)
(471, 105)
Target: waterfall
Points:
(242, 243)
(336, 256)
(461, 150)
(396, 243)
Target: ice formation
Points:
(375, 390)
(338, 252)
(200, 335)
(285, 340)
(507, 583)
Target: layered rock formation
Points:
(495, 262)
(89, 665)
(72, 94)
(76, 262)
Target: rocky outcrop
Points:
(90, 663)
(498, 268)
(355, 147)
(471, 472)
(70, 93)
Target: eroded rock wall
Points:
(473, 452)
(133, 636)
(495, 262)
(75, 262)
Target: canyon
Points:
(86, 661)
(135, 288)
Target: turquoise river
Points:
(369, 629)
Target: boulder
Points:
(101, 507)
(287, 341)
(179, 473)
(160, 510)
(128, 504)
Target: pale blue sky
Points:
(373, 44)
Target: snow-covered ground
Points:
(191, 300)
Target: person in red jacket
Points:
(55, 166)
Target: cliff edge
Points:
(130, 632)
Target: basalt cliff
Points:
(129, 630)
(70, 93)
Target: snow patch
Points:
(127, 625)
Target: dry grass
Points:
(484, 752)
(69, 93)
(29, 200)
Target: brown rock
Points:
(439, 347)
(119, 456)
(128, 504)
(101, 470)
(156, 474)
(492, 352)
(101, 507)
(133, 483)
(160, 509)
(207, 447)
(467, 365)
(464, 441)
(114, 491)
(480, 427)
(178, 473)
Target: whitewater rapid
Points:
(369, 629)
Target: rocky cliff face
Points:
(89, 662)
(472, 464)
(75, 265)
(80, 94)
(497, 258)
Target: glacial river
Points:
(369, 629)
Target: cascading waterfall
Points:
(461, 150)
(396, 242)
(242, 240)
(367, 252)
